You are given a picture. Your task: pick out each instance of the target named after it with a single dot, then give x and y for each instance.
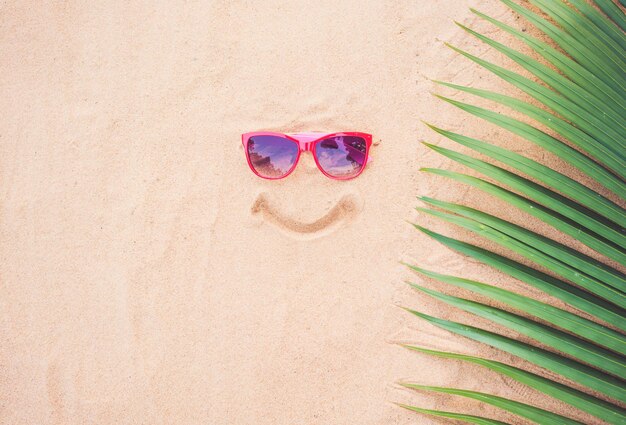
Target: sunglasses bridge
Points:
(305, 140)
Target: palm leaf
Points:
(594, 286)
(583, 29)
(533, 413)
(594, 379)
(560, 105)
(585, 402)
(566, 255)
(543, 195)
(583, 140)
(577, 348)
(591, 114)
(588, 273)
(569, 187)
(585, 164)
(574, 47)
(590, 304)
(563, 319)
(581, 90)
(585, 79)
(553, 218)
(471, 419)
(602, 23)
(613, 11)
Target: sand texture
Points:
(148, 277)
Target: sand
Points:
(148, 277)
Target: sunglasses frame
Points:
(306, 142)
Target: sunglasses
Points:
(340, 156)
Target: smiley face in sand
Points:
(339, 156)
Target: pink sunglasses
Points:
(340, 156)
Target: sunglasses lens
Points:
(342, 156)
(272, 156)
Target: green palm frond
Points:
(541, 194)
(579, 82)
(579, 399)
(569, 67)
(586, 351)
(458, 416)
(524, 410)
(555, 256)
(557, 317)
(553, 218)
(567, 186)
(572, 295)
(562, 99)
(601, 382)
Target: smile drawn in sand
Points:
(344, 211)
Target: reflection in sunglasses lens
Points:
(342, 156)
(272, 156)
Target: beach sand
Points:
(148, 277)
